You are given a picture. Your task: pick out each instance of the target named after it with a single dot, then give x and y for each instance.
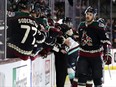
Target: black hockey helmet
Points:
(92, 10)
(66, 19)
(35, 10)
(64, 28)
(37, 7)
(24, 4)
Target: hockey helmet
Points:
(64, 28)
(24, 4)
(92, 10)
(66, 19)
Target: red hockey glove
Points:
(107, 59)
(32, 58)
(45, 52)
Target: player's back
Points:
(22, 29)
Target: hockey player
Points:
(72, 50)
(41, 37)
(72, 53)
(60, 66)
(93, 42)
(67, 21)
(69, 53)
(50, 41)
(60, 60)
(89, 82)
(22, 33)
(42, 17)
(51, 34)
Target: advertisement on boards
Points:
(47, 72)
(38, 72)
(41, 72)
(20, 76)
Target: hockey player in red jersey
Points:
(94, 48)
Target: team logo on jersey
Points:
(86, 40)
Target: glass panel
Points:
(2, 29)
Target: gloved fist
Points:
(45, 52)
(107, 59)
(60, 40)
(54, 32)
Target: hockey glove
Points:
(107, 58)
(60, 40)
(54, 32)
(45, 52)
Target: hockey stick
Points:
(103, 72)
(109, 72)
(71, 67)
(108, 65)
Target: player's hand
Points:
(67, 42)
(63, 51)
(107, 58)
(44, 52)
(54, 32)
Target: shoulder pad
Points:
(81, 24)
(95, 23)
(99, 25)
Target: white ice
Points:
(109, 80)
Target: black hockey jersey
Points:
(91, 38)
(21, 33)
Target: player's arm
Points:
(104, 39)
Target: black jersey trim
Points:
(16, 48)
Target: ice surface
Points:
(109, 81)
